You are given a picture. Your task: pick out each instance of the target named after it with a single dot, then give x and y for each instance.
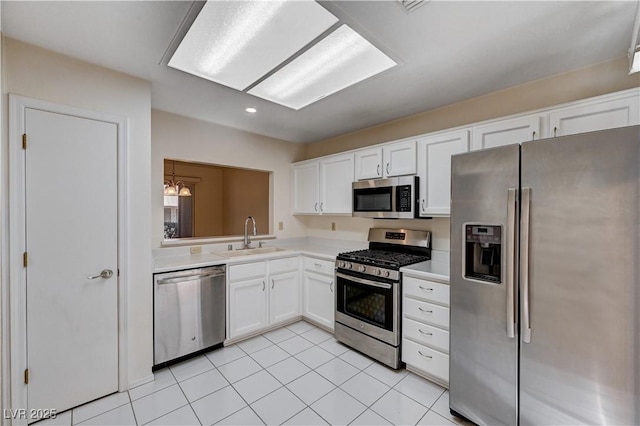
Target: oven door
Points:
(371, 307)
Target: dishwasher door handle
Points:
(185, 279)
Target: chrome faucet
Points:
(247, 239)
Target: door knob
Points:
(106, 273)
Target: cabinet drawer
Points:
(426, 312)
(283, 265)
(320, 266)
(427, 290)
(430, 361)
(247, 271)
(425, 334)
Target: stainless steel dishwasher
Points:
(188, 312)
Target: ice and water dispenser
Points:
(483, 253)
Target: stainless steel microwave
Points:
(393, 198)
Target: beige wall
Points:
(245, 193)
(584, 83)
(207, 210)
(214, 144)
(37, 73)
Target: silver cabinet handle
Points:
(331, 286)
(510, 270)
(425, 288)
(321, 206)
(378, 170)
(273, 283)
(534, 136)
(524, 264)
(424, 310)
(263, 286)
(106, 274)
(424, 204)
(555, 131)
(317, 265)
(424, 332)
(387, 168)
(426, 356)
(315, 206)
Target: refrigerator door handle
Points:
(524, 264)
(510, 272)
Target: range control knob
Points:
(378, 272)
(387, 273)
(348, 265)
(362, 268)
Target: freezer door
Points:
(483, 348)
(581, 365)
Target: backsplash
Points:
(357, 229)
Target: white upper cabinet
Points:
(323, 186)
(596, 116)
(400, 159)
(305, 187)
(434, 169)
(506, 132)
(369, 164)
(396, 159)
(336, 176)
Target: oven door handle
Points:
(363, 281)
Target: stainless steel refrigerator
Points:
(545, 281)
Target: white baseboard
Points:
(142, 381)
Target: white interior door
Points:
(71, 234)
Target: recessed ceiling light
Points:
(340, 60)
(235, 43)
(251, 110)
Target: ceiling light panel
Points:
(341, 59)
(235, 43)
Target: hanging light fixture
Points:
(173, 188)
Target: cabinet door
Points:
(434, 169)
(319, 298)
(400, 159)
(247, 307)
(336, 176)
(369, 164)
(599, 116)
(506, 132)
(284, 297)
(305, 187)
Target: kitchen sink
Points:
(249, 252)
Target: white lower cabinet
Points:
(284, 297)
(319, 291)
(425, 328)
(262, 293)
(248, 307)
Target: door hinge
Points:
(25, 259)
(26, 376)
(24, 141)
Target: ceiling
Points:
(449, 51)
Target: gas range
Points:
(368, 291)
(380, 263)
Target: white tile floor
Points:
(295, 375)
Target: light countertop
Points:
(316, 247)
(436, 269)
